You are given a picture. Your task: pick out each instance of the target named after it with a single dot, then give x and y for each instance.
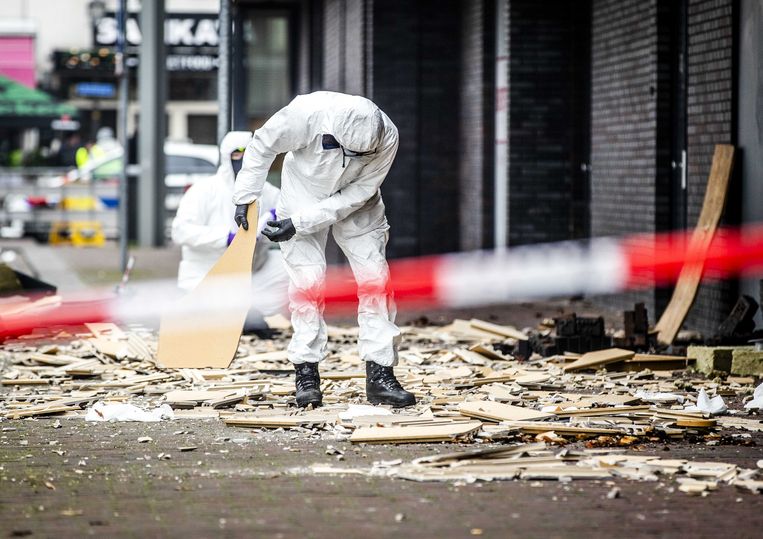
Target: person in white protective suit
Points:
(339, 149)
(204, 228)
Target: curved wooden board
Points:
(204, 327)
(691, 274)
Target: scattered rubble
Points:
(470, 389)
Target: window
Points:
(202, 128)
(267, 40)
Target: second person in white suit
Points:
(204, 227)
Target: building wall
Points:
(623, 117)
(69, 27)
(710, 121)
(17, 60)
(333, 45)
(623, 124)
(632, 122)
(56, 28)
(354, 60)
(750, 122)
(344, 46)
(476, 131)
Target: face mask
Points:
(236, 164)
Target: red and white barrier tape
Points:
(595, 267)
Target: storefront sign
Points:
(180, 30)
(100, 90)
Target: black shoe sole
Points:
(395, 404)
(306, 402)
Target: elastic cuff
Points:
(296, 221)
(240, 200)
(301, 361)
(383, 359)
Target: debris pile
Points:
(470, 389)
(538, 462)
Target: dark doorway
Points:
(671, 117)
(678, 84)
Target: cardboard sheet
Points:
(204, 328)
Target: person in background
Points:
(204, 227)
(106, 149)
(67, 153)
(82, 155)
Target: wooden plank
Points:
(497, 411)
(691, 274)
(106, 330)
(611, 400)
(536, 427)
(108, 347)
(421, 433)
(503, 331)
(607, 410)
(346, 375)
(598, 358)
(473, 358)
(490, 352)
(274, 421)
(462, 328)
(37, 411)
(26, 382)
(199, 395)
(558, 472)
(203, 331)
(696, 423)
(53, 359)
(655, 363)
(532, 378)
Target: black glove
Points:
(280, 230)
(240, 216)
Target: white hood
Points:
(232, 141)
(319, 184)
(357, 123)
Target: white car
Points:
(185, 163)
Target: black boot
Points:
(308, 383)
(383, 388)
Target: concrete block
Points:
(711, 358)
(746, 360)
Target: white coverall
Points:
(322, 188)
(205, 218)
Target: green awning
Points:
(26, 107)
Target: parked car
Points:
(184, 162)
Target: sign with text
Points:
(180, 30)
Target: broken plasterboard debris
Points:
(447, 432)
(707, 405)
(363, 410)
(101, 411)
(599, 358)
(496, 411)
(757, 399)
(658, 397)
